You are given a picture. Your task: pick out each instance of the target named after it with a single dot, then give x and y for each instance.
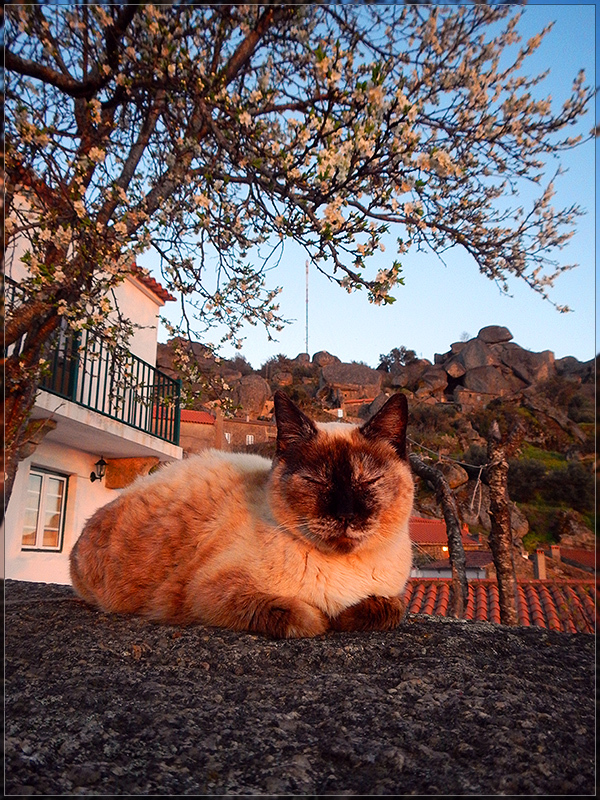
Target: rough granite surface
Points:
(97, 704)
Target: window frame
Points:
(46, 475)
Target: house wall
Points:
(472, 574)
(83, 498)
(238, 429)
(139, 304)
(195, 437)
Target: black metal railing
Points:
(81, 367)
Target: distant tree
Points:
(241, 364)
(214, 133)
(397, 357)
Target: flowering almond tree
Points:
(216, 133)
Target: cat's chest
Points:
(333, 584)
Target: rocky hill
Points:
(451, 401)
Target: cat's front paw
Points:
(371, 614)
(288, 618)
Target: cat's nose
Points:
(346, 517)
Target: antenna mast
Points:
(307, 306)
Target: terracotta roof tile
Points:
(148, 281)
(200, 417)
(577, 556)
(567, 606)
(433, 531)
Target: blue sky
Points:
(439, 304)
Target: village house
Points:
(431, 551)
(203, 429)
(104, 420)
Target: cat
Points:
(316, 540)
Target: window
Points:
(44, 511)
(228, 438)
(249, 438)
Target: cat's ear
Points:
(293, 426)
(390, 423)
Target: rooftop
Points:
(566, 606)
(433, 531)
(197, 417)
(150, 283)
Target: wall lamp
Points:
(100, 470)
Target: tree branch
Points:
(455, 546)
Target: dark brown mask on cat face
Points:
(337, 479)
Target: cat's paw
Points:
(288, 618)
(371, 614)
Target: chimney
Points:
(539, 565)
(555, 552)
(219, 434)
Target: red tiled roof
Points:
(568, 606)
(577, 556)
(140, 275)
(432, 531)
(200, 417)
(358, 401)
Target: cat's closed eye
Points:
(314, 480)
(371, 481)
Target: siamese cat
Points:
(316, 540)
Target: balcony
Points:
(110, 381)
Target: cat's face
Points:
(339, 485)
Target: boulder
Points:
(282, 378)
(433, 380)
(323, 359)
(409, 375)
(571, 530)
(455, 369)
(456, 347)
(230, 375)
(376, 405)
(359, 379)
(251, 393)
(302, 358)
(455, 475)
(580, 371)
(475, 354)
(529, 367)
(493, 334)
(488, 380)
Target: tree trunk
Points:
(21, 378)
(447, 502)
(501, 542)
(16, 412)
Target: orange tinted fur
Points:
(221, 539)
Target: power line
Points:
(444, 457)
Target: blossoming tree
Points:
(216, 133)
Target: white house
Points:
(104, 408)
